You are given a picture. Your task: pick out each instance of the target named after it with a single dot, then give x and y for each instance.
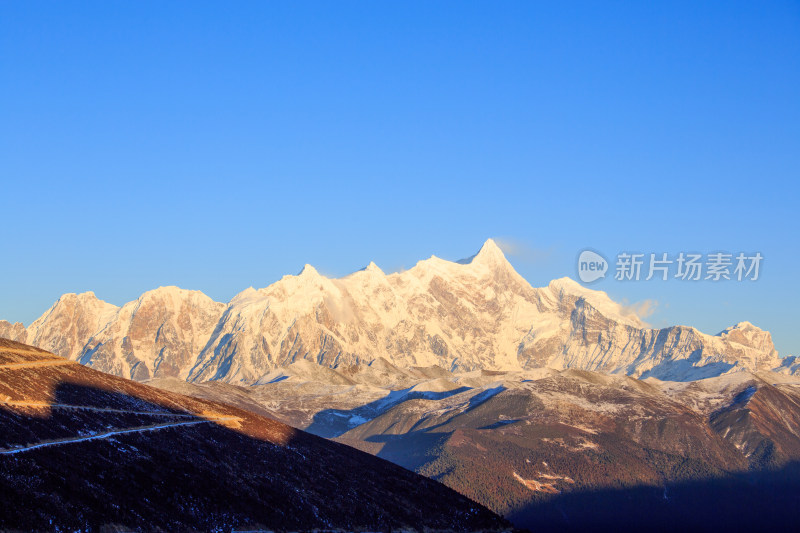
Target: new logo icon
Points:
(591, 266)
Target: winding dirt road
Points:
(203, 418)
(105, 435)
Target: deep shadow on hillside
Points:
(206, 477)
(767, 500)
(176, 467)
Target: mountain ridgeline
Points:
(477, 313)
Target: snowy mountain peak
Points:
(175, 297)
(473, 314)
(489, 254)
(70, 322)
(568, 284)
(746, 326)
(72, 301)
(87, 296)
(167, 291)
(372, 268)
(308, 271)
(743, 328)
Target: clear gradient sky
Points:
(219, 145)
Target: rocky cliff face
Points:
(473, 314)
(590, 337)
(157, 335)
(14, 332)
(68, 325)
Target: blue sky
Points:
(220, 145)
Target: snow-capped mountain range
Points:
(478, 313)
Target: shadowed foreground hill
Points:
(82, 450)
